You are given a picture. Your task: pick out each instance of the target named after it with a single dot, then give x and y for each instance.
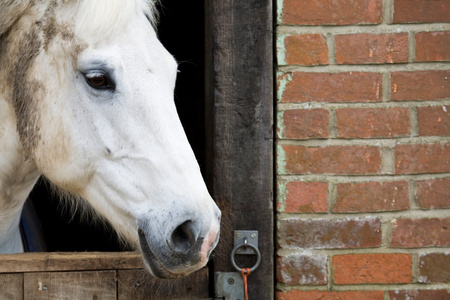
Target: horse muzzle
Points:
(176, 251)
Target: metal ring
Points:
(258, 257)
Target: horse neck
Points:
(17, 177)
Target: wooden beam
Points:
(69, 261)
(239, 122)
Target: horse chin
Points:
(153, 264)
(156, 268)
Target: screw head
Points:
(230, 281)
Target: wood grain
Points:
(69, 261)
(137, 285)
(11, 286)
(70, 285)
(239, 115)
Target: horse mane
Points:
(10, 12)
(80, 210)
(100, 15)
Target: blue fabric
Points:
(31, 229)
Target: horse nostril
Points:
(184, 237)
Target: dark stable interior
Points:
(181, 30)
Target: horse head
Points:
(92, 88)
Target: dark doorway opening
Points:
(181, 30)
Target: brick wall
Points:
(363, 149)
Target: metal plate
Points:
(229, 286)
(239, 239)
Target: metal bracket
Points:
(239, 239)
(229, 286)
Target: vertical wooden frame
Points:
(239, 122)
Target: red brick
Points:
(297, 269)
(433, 194)
(329, 233)
(420, 295)
(421, 11)
(305, 197)
(422, 158)
(434, 268)
(433, 46)
(373, 122)
(306, 49)
(327, 295)
(420, 85)
(305, 124)
(414, 233)
(332, 160)
(372, 197)
(372, 268)
(434, 120)
(367, 48)
(335, 12)
(333, 87)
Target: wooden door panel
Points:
(11, 286)
(93, 285)
(137, 285)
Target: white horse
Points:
(86, 100)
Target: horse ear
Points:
(10, 11)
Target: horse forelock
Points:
(100, 18)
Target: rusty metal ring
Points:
(258, 257)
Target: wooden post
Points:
(239, 122)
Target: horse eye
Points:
(99, 81)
